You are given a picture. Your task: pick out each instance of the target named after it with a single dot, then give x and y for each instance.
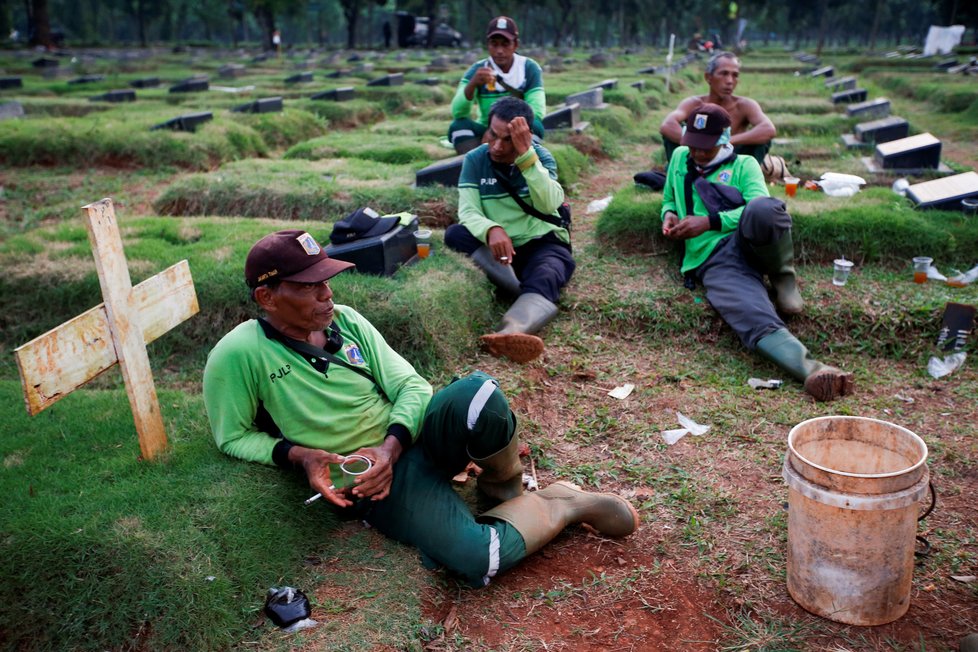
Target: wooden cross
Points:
(118, 330)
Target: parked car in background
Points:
(445, 35)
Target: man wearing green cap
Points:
(313, 382)
(715, 202)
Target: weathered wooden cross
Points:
(118, 330)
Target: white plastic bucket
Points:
(854, 487)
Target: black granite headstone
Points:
(188, 122)
(396, 79)
(148, 82)
(10, 110)
(382, 254)
(944, 64)
(231, 71)
(191, 86)
(883, 130)
(444, 172)
(563, 117)
(840, 83)
(920, 152)
(946, 193)
(45, 62)
(640, 84)
(607, 84)
(87, 79)
(336, 94)
(651, 70)
(336, 74)
(429, 81)
(876, 108)
(263, 105)
(11, 82)
(825, 71)
(849, 96)
(593, 98)
(115, 96)
(299, 78)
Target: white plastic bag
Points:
(835, 184)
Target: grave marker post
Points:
(65, 358)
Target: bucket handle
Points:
(925, 552)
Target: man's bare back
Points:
(749, 125)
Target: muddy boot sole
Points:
(518, 347)
(829, 384)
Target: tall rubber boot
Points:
(502, 276)
(515, 339)
(502, 472)
(777, 260)
(541, 515)
(823, 382)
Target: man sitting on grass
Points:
(716, 203)
(509, 223)
(751, 130)
(503, 74)
(313, 382)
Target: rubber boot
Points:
(502, 472)
(777, 261)
(541, 515)
(823, 382)
(515, 338)
(502, 276)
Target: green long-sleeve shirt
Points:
(483, 203)
(743, 173)
(528, 78)
(339, 412)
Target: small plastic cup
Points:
(791, 185)
(353, 466)
(840, 271)
(970, 206)
(920, 266)
(423, 239)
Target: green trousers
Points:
(468, 419)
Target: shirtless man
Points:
(751, 130)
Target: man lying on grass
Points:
(716, 203)
(313, 382)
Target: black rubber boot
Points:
(502, 276)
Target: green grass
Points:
(101, 550)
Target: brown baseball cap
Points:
(503, 26)
(291, 255)
(705, 125)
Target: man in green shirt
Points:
(313, 382)
(503, 74)
(509, 224)
(716, 203)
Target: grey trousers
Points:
(733, 281)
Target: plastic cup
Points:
(970, 206)
(423, 239)
(920, 266)
(840, 271)
(353, 466)
(791, 185)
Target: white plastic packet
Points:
(938, 368)
(835, 184)
(622, 392)
(598, 205)
(689, 427)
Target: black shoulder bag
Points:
(562, 219)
